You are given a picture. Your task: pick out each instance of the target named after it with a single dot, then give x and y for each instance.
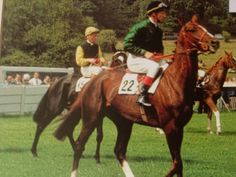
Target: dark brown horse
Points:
(172, 101)
(211, 91)
(59, 96)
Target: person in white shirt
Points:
(35, 80)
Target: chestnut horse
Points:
(211, 91)
(59, 96)
(172, 101)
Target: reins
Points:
(159, 57)
(117, 67)
(170, 56)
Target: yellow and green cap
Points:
(90, 30)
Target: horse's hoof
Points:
(210, 132)
(97, 158)
(160, 131)
(34, 153)
(218, 132)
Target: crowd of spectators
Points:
(27, 79)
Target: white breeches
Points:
(140, 64)
(89, 71)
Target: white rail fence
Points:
(20, 100)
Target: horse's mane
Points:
(214, 66)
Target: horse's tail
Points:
(53, 102)
(72, 118)
(41, 110)
(69, 122)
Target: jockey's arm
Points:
(129, 42)
(79, 57)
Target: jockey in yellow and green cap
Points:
(89, 54)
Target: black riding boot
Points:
(143, 96)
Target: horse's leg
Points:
(38, 132)
(174, 138)
(72, 141)
(40, 128)
(74, 115)
(124, 129)
(209, 118)
(89, 124)
(218, 124)
(99, 140)
(50, 114)
(200, 107)
(216, 112)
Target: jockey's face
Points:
(92, 37)
(159, 17)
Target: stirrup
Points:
(142, 102)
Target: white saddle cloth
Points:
(80, 83)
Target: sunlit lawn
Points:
(203, 155)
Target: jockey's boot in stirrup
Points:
(143, 96)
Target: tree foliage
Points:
(107, 39)
(46, 33)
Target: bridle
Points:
(122, 58)
(194, 41)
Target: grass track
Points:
(203, 155)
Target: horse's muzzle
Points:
(215, 44)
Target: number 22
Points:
(127, 85)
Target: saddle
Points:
(81, 82)
(129, 85)
(130, 81)
(203, 81)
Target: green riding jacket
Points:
(142, 37)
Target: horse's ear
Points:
(194, 18)
(226, 53)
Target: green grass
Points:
(148, 155)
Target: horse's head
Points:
(230, 60)
(119, 58)
(195, 37)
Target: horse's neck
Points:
(184, 71)
(186, 61)
(218, 73)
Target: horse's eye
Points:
(191, 30)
